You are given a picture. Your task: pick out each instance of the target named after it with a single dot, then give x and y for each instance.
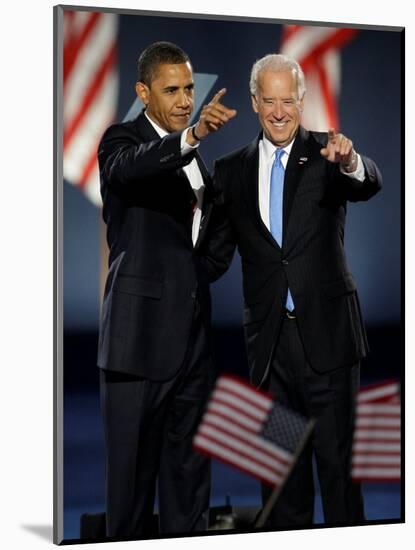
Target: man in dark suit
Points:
(284, 198)
(156, 367)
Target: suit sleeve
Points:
(124, 159)
(353, 189)
(220, 240)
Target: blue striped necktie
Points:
(276, 193)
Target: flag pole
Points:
(277, 490)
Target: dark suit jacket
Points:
(311, 261)
(155, 273)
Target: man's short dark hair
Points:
(157, 54)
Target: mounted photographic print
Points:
(228, 350)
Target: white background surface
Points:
(26, 230)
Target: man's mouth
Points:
(278, 125)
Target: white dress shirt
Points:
(266, 160)
(193, 175)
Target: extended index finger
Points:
(218, 95)
(331, 134)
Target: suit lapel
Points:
(250, 184)
(298, 159)
(144, 129)
(249, 170)
(205, 175)
(148, 133)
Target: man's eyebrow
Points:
(173, 88)
(169, 88)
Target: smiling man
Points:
(284, 202)
(156, 366)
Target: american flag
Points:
(377, 437)
(90, 91)
(317, 50)
(243, 427)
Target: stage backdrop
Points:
(369, 112)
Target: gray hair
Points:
(277, 62)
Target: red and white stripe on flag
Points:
(317, 51)
(90, 91)
(377, 436)
(230, 428)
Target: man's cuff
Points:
(184, 146)
(359, 173)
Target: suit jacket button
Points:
(193, 294)
(284, 262)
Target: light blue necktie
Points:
(276, 193)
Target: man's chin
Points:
(180, 123)
(278, 139)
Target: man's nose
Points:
(183, 100)
(278, 109)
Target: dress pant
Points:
(149, 427)
(330, 399)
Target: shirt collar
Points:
(270, 148)
(162, 133)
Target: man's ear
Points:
(143, 92)
(254, 103)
